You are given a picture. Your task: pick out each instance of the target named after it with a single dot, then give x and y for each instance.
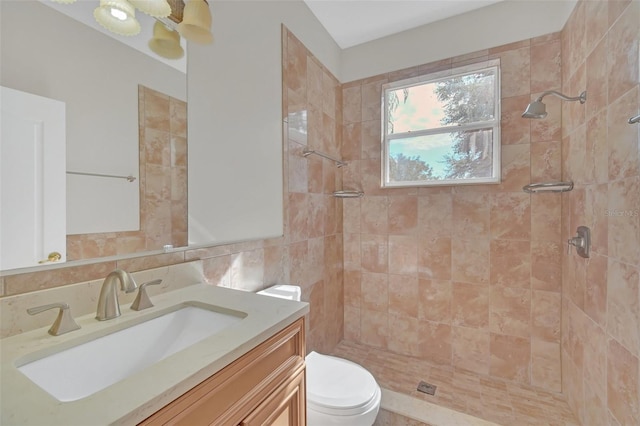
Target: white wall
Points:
(490, 26)
(235, 117)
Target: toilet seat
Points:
(339, 387)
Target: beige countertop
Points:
(135, 398)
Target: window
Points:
(443, 128)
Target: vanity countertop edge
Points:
(135, 398)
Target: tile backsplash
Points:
(82, 297)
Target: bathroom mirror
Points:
(47, 53)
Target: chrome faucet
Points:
(108, 306)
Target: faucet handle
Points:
(142, 299)
(64, 323)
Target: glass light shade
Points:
(155, 8)
(166, 42)
(196, 22)
(118, 16)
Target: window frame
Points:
(429, 78)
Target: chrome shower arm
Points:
(582, 98)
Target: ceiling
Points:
(353, 22)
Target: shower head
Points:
(537, 109)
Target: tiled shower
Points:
(468, 276)
(478, 278)
(472, 283)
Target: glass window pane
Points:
(464, 99)
(444, 156)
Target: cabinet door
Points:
(236, 391)
(284, 407)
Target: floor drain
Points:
(427, 388)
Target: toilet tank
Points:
(283, 291)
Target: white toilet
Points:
(339, 392)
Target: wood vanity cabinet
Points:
(266, 386)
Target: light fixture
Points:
(196, 22)
(166, 42)
(155, 8)
(118, 16)
(537, 109)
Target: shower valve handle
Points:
(582, 242)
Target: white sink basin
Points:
(87, 368)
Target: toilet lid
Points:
(338, 386)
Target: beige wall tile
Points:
(510, 311)
(375, 253)
(435, 341)
(374, 328)
(403, 335)
(434, 258)
(470, 305)
(597, 79)
(510, 216)
(375, 217)
(515, 70)
(403, 215)
(623, 305)
(514, 129)
(510, 263)
(595, 303)
(546, 162)
(510, 357)
(623, 61)
(435, 215)
(471, 262)
(470, 349)
(546, 67)
(374, 289)
(403, 295)
(623, 391)
(624, 159)
(545, 316)
(545, 365)
(471, 216)
(403, 252)
(435, 299)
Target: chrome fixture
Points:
(308, 152)
(634, 120)
(108, 306)
(348, 194)
(582, 242)
(129, 178)
(64, 323)
(142, 299)
(548, 187)
(537, 109)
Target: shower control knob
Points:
(582, 242)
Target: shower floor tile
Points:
(488, 398)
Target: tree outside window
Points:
(443, 128)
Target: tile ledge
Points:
(427, 412)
